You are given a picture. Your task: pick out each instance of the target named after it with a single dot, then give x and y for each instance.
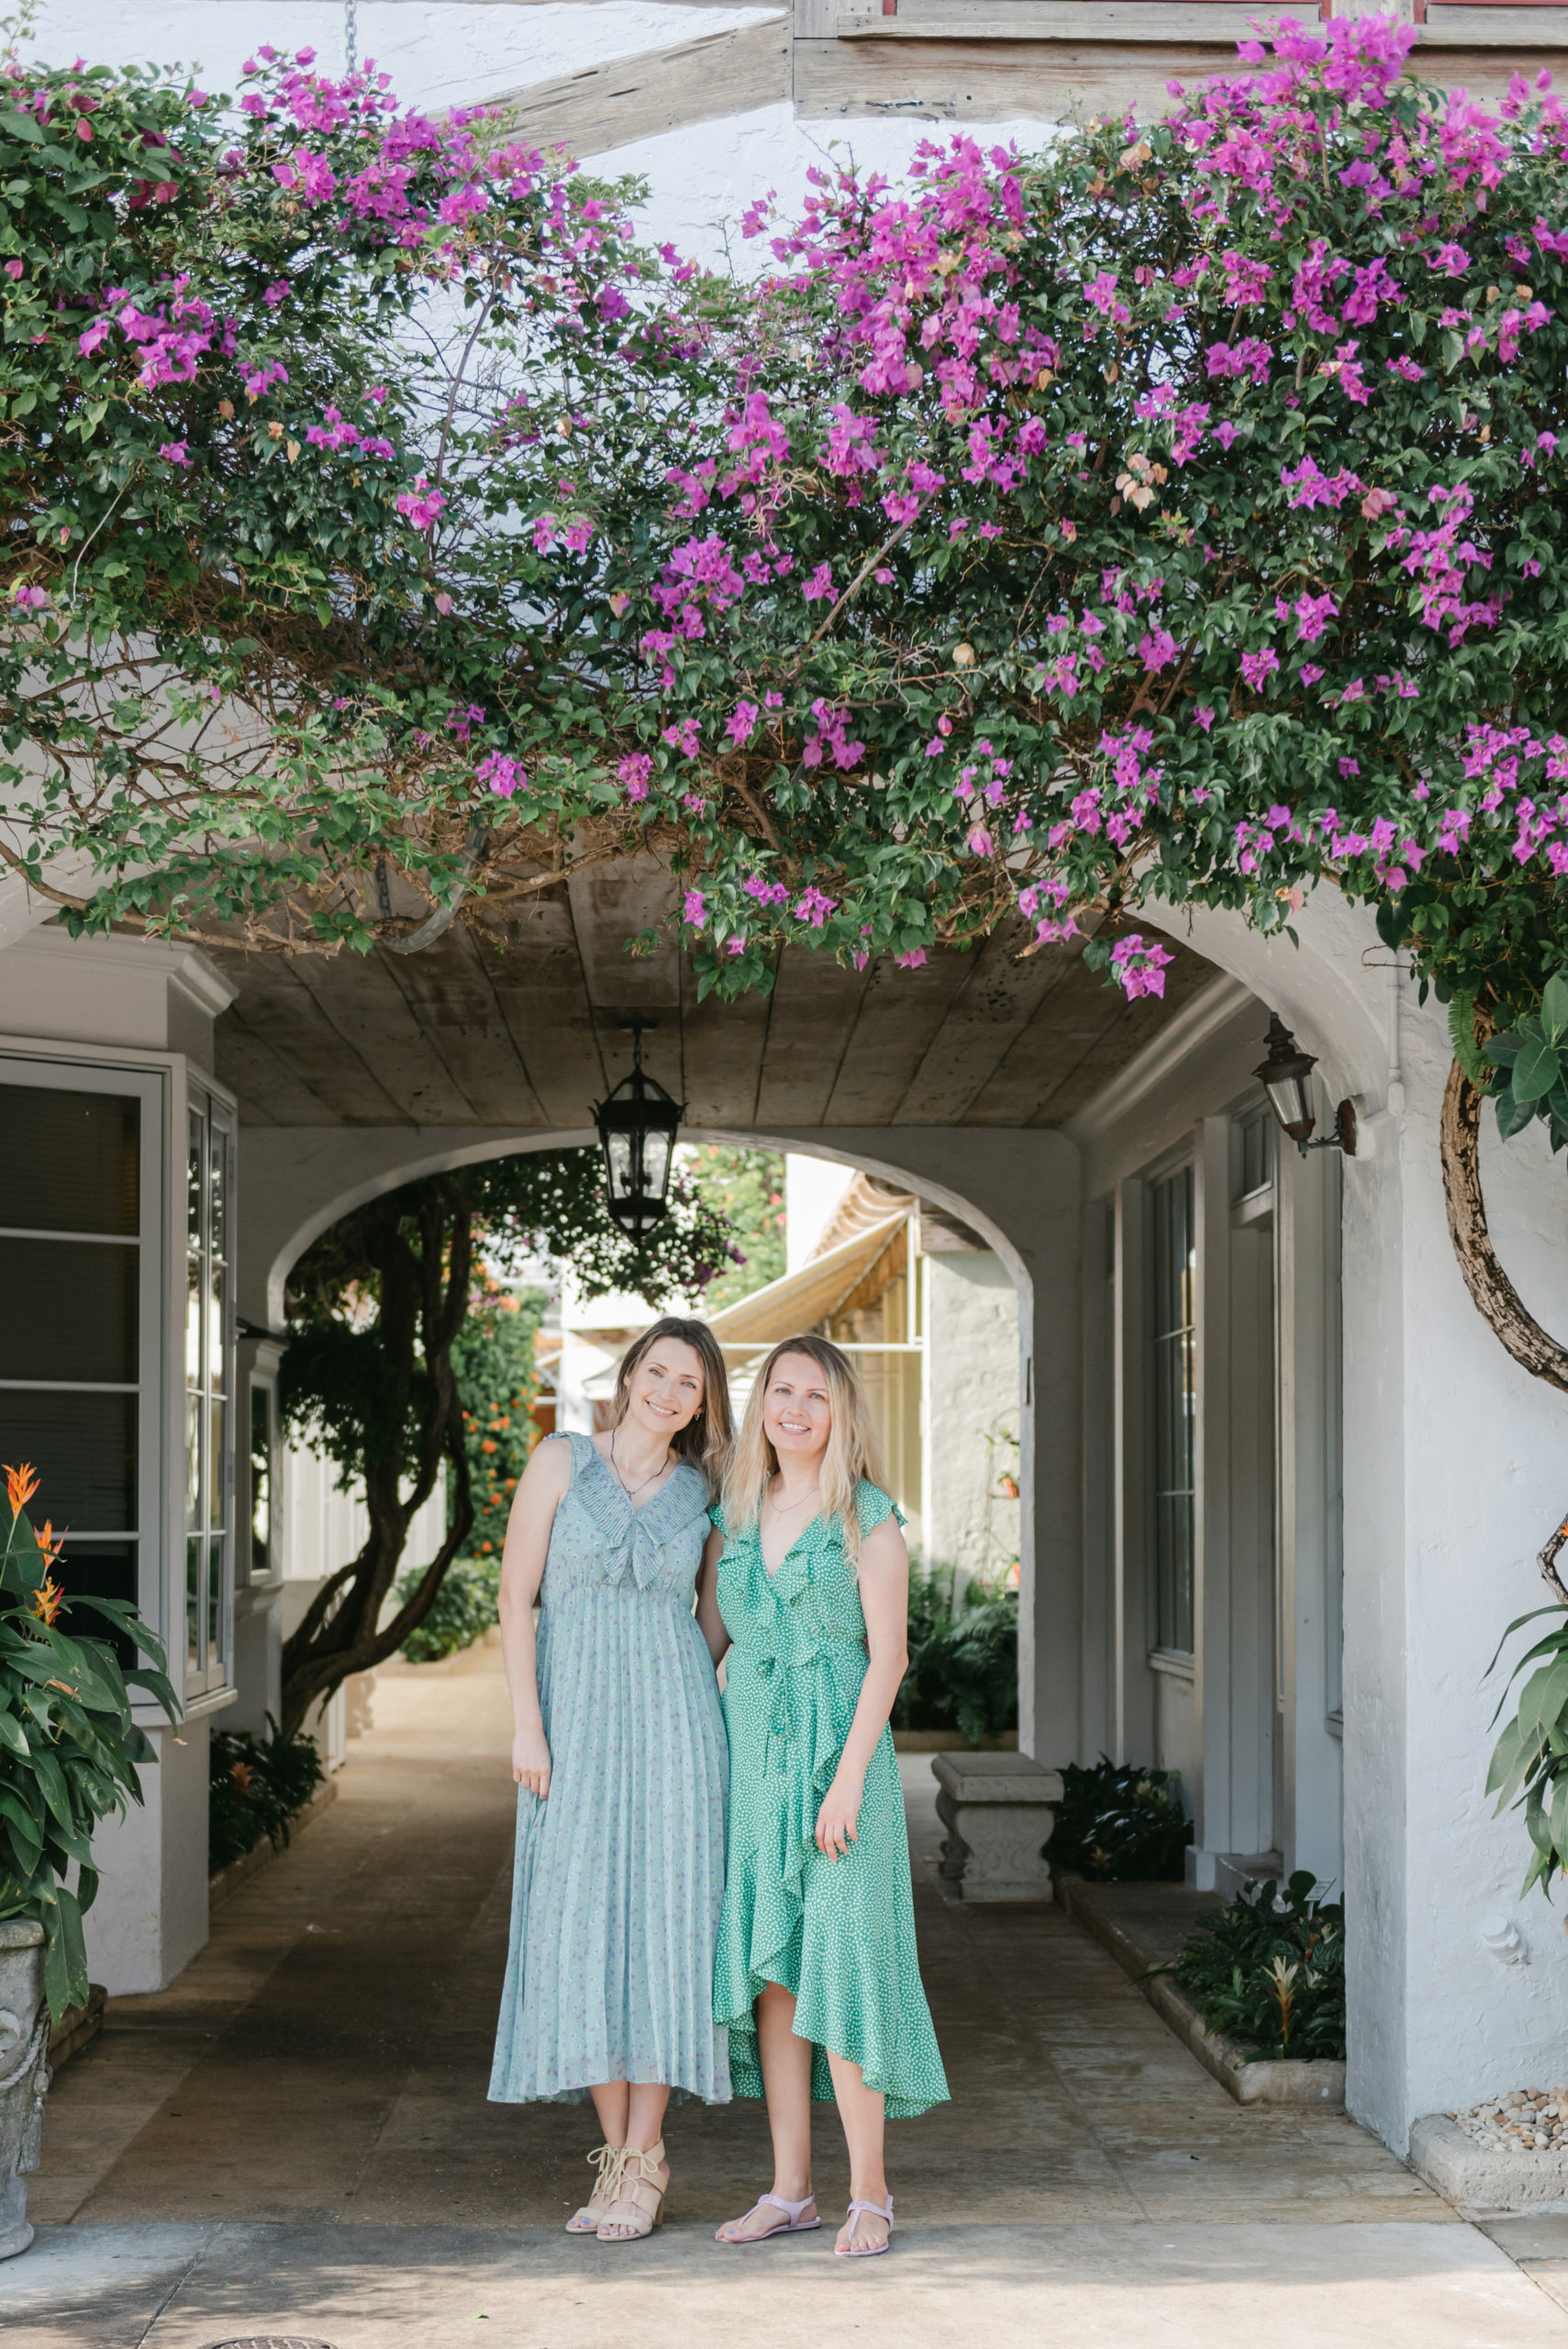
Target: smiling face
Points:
(797, 1409)
(664, 1393)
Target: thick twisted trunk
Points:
(1497, 1298)
(423, 1296)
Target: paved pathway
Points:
(294, 2139)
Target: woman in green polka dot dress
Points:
(817, 1975)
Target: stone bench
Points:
(997, 1810)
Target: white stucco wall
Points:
(444, 53)
(971, 1314)
(1454, 1475)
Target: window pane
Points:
(195, 1233)
(215, 1367)
(194, 1518)
(193, 1321)
(217, 1195)
(217, 1430)
(260, 1483)
(1257, 1153)
(215, 1598)
(195, 1546)
(68, 1161)
(1175, 1406)
(84, 1447)
(71, 1310)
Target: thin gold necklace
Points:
(779, 1510)
(631, 1491)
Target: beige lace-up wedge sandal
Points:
(640, 2199)
(609, 2161)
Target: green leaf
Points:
(22, 126)
(1535, 1071)
(65, 1955)
(1513, 1114)
(24, 1824)
(1554, 1007)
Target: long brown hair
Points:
(706, 1438)
(852, 1452)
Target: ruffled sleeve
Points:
(873, 1507)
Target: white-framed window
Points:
(262, 1554)
(209, 1393)
(1172, 1338)
(81, 1339)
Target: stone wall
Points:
(971, 1352)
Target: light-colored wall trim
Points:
(1209, 1013)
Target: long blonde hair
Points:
(705, 1440)
(853, 1451)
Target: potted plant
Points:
(68, 1754)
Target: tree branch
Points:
(1495, 1298)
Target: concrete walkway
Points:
(293, 2139)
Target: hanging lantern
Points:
(637, 1132)
(1286, 1077)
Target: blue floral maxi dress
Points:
(619, 1872)
(839, 1934)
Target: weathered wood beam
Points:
(628, 98)
(1011, 20)
(976, 80)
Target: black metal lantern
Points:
(637, 1132)
(1286, 1077)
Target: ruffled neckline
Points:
(644, 1532)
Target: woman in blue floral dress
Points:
(619, 1759)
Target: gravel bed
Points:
(1525, 2121)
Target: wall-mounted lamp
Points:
(1286, 1077)
(637, 1132)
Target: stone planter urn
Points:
(24, 2074)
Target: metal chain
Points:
(351, 34)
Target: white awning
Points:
(801, 1299)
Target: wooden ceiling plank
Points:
(999, 998)
(609, 907)
(1070, 1022)
(271, 1091)
(448, 989)
(612, 904)
(649, 91)
(900, 1013)
(367, 1007)
(810, 1019)
(275, 1003)
(723, 1046)
(1133, 1025)
(539, 992)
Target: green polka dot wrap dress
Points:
(839, 1934)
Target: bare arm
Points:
(538, 1497)
(885, 1599)
(709, 1621)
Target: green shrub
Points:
(466, 1605)
(1116, 1824)
(963, 1658)
(1270, 1970)
(257, 1785)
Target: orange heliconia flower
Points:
(47, 1601)
(21, 1484)
(49, 1545)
